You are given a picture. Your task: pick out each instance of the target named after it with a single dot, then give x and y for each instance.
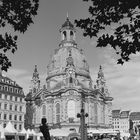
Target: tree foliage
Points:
(18, 14)
(125, 37)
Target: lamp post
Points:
(29, 111)
(82, 116)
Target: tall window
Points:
(44, 110)
(4, 125)
(20, 118)
(5, 97)
(57, 113)
(15, 107)
(5, 106)
(64, 34)
(6, 88)
(71, 35)
(96, 111)
(11, 89)
(71, 109)
(10, 117)
(5, 116)
(20, 108)
(11, 97)
(20, 126)
(15, 126)
(15, 117)
(10, 106)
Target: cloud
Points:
(16, 72)
(123, 81)
(21, 76)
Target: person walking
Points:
(44, 129)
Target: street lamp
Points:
(82, 115)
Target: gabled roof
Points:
(116, 113)
(135, 116)
(124, 114)
(8, 81)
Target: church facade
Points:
(68, 85)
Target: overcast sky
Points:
(38, 44)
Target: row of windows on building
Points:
(16, 126)
(11, 98)
(115, 122)
(120, 122)
(136, 122)
(11, 107)
(116, 126)
(8, 81)
(10, 89)
(71, 112)
(11, 117)
(116, 119)
(121, 127)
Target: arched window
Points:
(57, 113)
(71, 80)
(65, 34)
(71, 33)
(71, 109)
(96, 111)
(44, 110)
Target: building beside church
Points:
(68, 80)
(121, 120)
(135, 122)
(12, 103)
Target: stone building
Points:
(68, 82)
(121, 120)
(135, 118)
(12, 103)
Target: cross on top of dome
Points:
(68, 23)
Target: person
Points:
(44, 129)
(29, 138)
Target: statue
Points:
(44, 129)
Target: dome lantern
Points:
(67, 32)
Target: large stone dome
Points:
(68, 56)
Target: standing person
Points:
(44, 129)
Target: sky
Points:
(36, 46)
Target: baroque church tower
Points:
(101, 82)
(68, 78)
(35, 82)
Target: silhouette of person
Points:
(44, 129)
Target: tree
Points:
(18, 15)
(124, 16)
